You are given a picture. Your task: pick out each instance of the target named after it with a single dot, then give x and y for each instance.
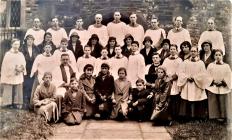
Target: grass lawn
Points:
(199, 130)
(21, 124)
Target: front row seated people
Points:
(44, 100)
(74, 104)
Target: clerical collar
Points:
(36, 29)
(178, 29)
(79, 29)
(14, 51)
(134, 25)
(104, 58)
(211, 29)
(194, 59)
(116, 21)
(173, 57)
(63, 50)
(118, 57)
(97, 25)
(86, 56)
(56, 28)
(219, 63)
(47, 55)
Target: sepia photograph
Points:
(115, 69)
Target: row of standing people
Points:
(192, 74)
(119, 29)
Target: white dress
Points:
(194, 91)
(10, 61)
(57, 35)
(178, 37)
(101, 32)
(219, 73)
(136, 68)
(215, 37)
(37, 34)
(117, 30)
(172, 68)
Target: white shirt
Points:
(83, 34)
(101, 32)
(137, 33)
(155, 35)
(117, 30)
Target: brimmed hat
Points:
(165, 41)
(206, 42)
(128, 36)
(75, 34)
(147, 38)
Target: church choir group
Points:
(117, 72)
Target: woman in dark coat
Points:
(126, 48)
(74, 44)
(161, 93)
(30, 51)
(104, 88)
(96, 47)
(47, 41)
(165, 45)
(148, 51)
(206, 53)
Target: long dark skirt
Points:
(217, 105)
(174, 106)
(194, 109)
(27, 88)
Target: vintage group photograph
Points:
(115, 69)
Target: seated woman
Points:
(87, 81)
(44, 99)
(121, 95)
(161, 93)
(73, 105)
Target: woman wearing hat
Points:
(206, 53)
(74, 44)
(148, 51)
(96, 47)
(30, 51)
(165, 45)
(126, 48)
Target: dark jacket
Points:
(148, 58)
(78, 50)
(70, 103)
(29, 60)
